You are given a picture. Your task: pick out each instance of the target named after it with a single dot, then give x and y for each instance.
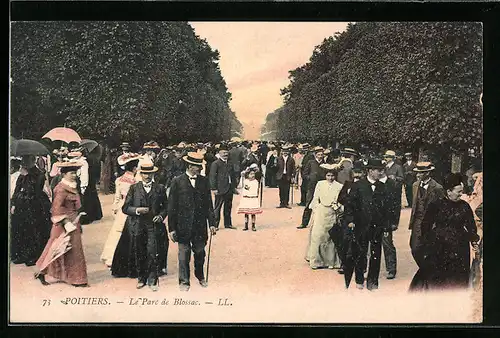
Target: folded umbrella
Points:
(27, 147)
(352, 254)
(63, 134)
(59, 247)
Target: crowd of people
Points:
(352, 205)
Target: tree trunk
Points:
(106, 172)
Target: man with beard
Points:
(425, 191)
(223, 184)
(312, 173)
(189, 210)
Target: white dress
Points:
(123, 184)
(321, 252)
(250, 202)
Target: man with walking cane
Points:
(189, 209)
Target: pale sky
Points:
(255, 58)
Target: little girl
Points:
(249, 203)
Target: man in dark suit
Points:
(425, 191)
(189, 209)
(223, 183)
(409, 178)
(236, 156)
(284, 175)
(313, 173)
(146, 207)
(394, 208)
(177, 166)
(395, 172)
(367, 214)
(253, 157)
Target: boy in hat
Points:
(367, 216)
(223, 183)
(146, 207)
(425, 191)
(189, 210)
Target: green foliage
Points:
(397, 84)
(118, 81)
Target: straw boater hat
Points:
(194, 158)
(151, 145)
(408, 154)
(306, 146)
(390, 153)
(329, 167)
(69, 163)
(125, 158)
(327, 151)
(318, 149)
(286, 147)
(148, 167)
(349, 151)
(424, 167)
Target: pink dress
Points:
(250, 202)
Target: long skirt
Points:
(71, 267)
(113, 237)
(321, 251)
(91, 205)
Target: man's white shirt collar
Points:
(383, 180)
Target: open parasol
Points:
(90, 145)
(27, 147)
(63, 134)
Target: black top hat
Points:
(375, 163)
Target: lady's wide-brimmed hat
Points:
(375, 163)
(330, 167)
(126, 158)
(69, 163)
(423, 167)
(151, 145)
(147, 167)
(194, 158)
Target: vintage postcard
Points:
(245, 172)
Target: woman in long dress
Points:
(448, 230)
(30, 209)
(122, 184)
(321, 251)
(71, 267)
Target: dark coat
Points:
(209, 159)
(220, 173)
(345, 174)
(409, 175)
(290, 168)
(236, 156)
(313, 173)
(251, 159)
(190, 208)
(367, 208)
(447, 229)
(393, 206)
(396, 170)
(177, 168)
(156, 201)
(309, 156)
(435, 191)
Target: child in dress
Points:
(249, 203)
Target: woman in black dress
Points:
(30, 210)
(271, 169)
(448, 228)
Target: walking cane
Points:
(261, 191)
(291, 188)
(208, 258)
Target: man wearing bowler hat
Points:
(189, 210)
(425, 191)
(367, 215)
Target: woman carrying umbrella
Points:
(60, 263)
(30, 209)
